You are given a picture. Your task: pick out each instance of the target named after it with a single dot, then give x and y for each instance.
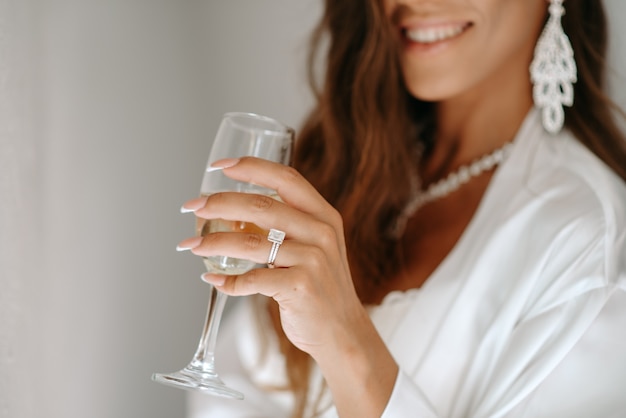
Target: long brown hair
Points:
(357, 144)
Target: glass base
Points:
(192, 380)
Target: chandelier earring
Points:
(553, 71)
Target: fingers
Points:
(270, 283)
(249, 246)
(264, 212)
(303, 215)
(293, 189)
(314, 244)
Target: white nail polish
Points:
(214, 280)
(186, 210)
(180, 249)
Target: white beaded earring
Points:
(553, 70)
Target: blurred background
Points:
(107, 113)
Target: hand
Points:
(311, 281)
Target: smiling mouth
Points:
(434, 34)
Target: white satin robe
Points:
(526, 317)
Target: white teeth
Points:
(434, 34)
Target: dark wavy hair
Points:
(357, 144)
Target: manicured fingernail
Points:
(189, 244)
(193, 205)
(214, 279)
(224, 163)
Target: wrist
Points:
(359, 369)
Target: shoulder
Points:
(573, 184)
(579, 202)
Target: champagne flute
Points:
(239, 134)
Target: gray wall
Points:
(107, 110)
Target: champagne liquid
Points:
(222, 264)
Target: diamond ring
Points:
(276, 237)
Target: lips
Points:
(433, 34)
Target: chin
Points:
(433, 92)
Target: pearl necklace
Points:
(451, 183)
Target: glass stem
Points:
(204, 359)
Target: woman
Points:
(499, 293)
